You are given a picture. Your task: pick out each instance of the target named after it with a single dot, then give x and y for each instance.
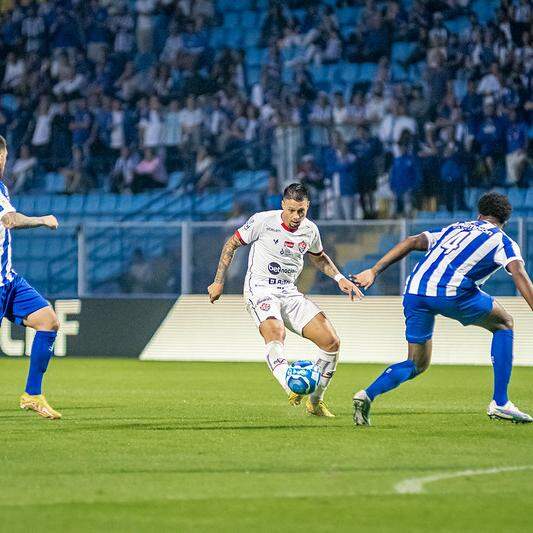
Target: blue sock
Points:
(502, 361)
(394, 376)
(42, 350)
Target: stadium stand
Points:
(181, 110)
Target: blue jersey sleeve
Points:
(5, 203)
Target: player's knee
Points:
(48, 322)
(421, 366)
(507, 322)
(273, 329)
(333, 344)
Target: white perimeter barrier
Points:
(371, 331)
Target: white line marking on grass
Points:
(415, 485)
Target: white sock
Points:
(327, 362)
(277, 363)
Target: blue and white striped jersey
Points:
(6, 272)
(461, 257)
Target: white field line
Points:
(415, 485)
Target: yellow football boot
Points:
(38, 404)
(318, 409)
(295, 399)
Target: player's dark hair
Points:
(3, 144)
(296, 191)
(496, 205)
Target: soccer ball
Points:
(302, 377)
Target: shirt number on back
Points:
(451, 244)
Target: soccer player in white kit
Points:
(279, 240)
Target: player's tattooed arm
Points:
(324, 263)
(19, 221)
(366, 278)
(522, 280)
(226, 257)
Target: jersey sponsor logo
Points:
(275, 230)
(275, 269)
(289, 244)
(274, 281)
(302, 246)
(264, 306)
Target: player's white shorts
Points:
(291, 307)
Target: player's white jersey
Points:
(277, 252)
(461, 257)
(6, 272)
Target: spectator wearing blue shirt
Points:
(80, 125)
(341, 169)
(367, 150)
(491, 137)
(405, 175)
(472, 106)
(516, 149)
(452, 176)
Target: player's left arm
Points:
(418, 242)
(323, 262)
(521, 280)
(14, 220)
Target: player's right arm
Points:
(420, 242)
(226, 257)
(521, 280)
(14, 220)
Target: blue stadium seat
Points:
(253, 74)
(175, 179)
(529, 198)
(401, 50)
(398, 72)
(232, 20)
(254, 56)
(485, 9)
(59, 204)
(54, 182)
(217, 38)
(234, 38)
(252, 37)
(43, 204)
(249, 19)
(368, 71)
(75, 205)
(457, 25)
(348, 15)
(517, 197)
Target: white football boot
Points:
(509, 411)
(361, 409)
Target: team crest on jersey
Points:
(264, 306)
(302, 246)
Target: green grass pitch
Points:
(147, 446)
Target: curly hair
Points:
(495, 205)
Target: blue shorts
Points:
(18, 299)
(420, 312)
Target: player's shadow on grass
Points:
(418, 413)
(148, 426)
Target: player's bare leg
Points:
(45, 323)
(273, 332)
(500, 323)
(418, 361)
(320, 331)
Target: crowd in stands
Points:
(117, 95)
